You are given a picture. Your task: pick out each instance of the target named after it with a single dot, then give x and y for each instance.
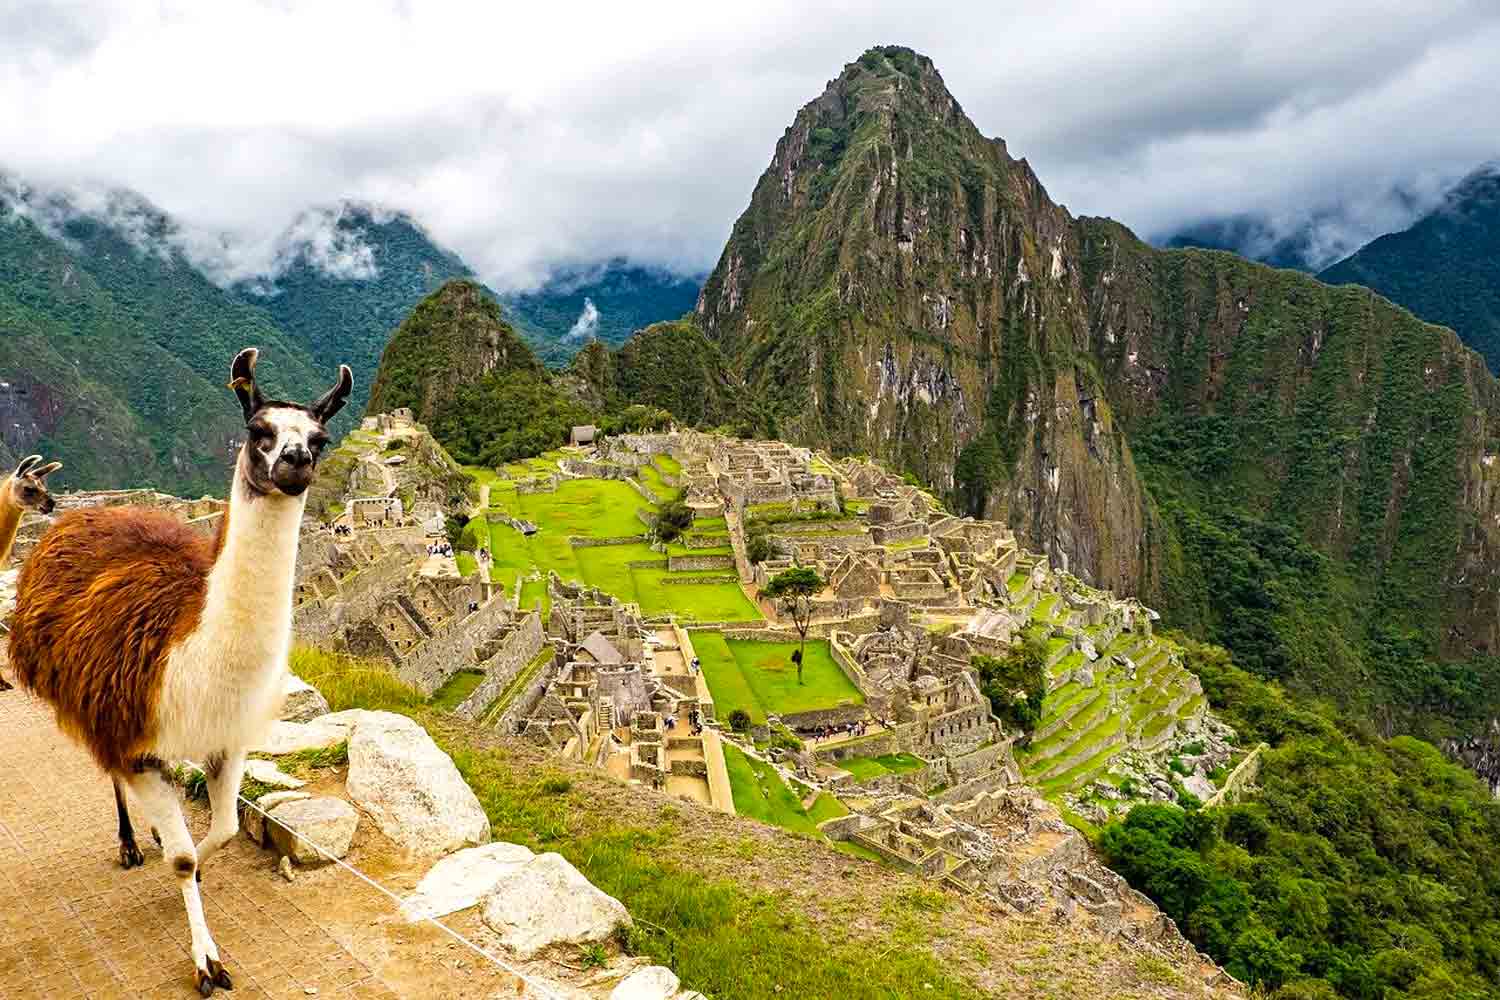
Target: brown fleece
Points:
(101, 602)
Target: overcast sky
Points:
(524, 135)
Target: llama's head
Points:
(27, 486)
(283, 440)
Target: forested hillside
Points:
(1446, 267)
(114, 356)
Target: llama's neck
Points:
(10, 522)
(248, 606)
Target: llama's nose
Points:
(297, 457)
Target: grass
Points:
(667, 464)
(717, 934)
(596, 508)
(760, 678)
(347, 682)
(456, 689)
(865, 768)
(759, 793)
(826, 807)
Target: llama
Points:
(154, 643)
(25, 489)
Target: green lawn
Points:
(865, 768)
(456, 689)
(598, 508)
(668, 464)
(760, 794)
(760, 677)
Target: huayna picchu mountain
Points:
(1301, 472)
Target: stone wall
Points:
(1241, 778)
(893, 533)
(516, 650)
(526, 700)
(962, 767)
(688, 564)
(451, 647)
(360, 594)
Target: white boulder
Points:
(267, 773)
(301, 702)
(253, 821)
(461, 880)
(654, 982)
(327, 822)
(410, 788)
(547, 902)
(290, 737)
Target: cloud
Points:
(587, 323)
(533, 137)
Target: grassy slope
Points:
(741, 910)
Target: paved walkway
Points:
(74, 924)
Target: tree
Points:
(673, 519)
(739, 720)
(1016, 683)
(793, 590)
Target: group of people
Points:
(440, 549)
(848, 729)
(341, 529)
(695, 722)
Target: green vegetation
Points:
(1363, 867)
(456, 689)
(1016, 684)
(759, 793)
(793, 591)
(865, 768)
(461, 368)
(631, 571)
(1445, 268)
(347, 682)
(760, 678)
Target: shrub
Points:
(673, 519)
(739, 720)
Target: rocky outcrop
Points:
(302, 702)
(461, 880)
(546, 902)
(410, 788)
(309, 830)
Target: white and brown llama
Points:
(154, 643)
(23, 490)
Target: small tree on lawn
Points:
(793, 590)
(673, 519)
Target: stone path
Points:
(74, 924)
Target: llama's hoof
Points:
(4, 684)
(130, 855)
(214, 976)
(156, 836)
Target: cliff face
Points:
(900, 286)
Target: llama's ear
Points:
(334, 399)
(47, 470)
(242, 381)
(26, 464)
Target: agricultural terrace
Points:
(864, 768)
(760, 677)
(630, 570)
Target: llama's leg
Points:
(158, 799)
(130, 855)
(224, 772)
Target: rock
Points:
(267, 773)
(411, 789)
(253, 821)
(654, 982)
(547, 902)
(301, 702)
(461, 880)
(1199, 786)
(328, 822)
(1084, 676)
(289, 737)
